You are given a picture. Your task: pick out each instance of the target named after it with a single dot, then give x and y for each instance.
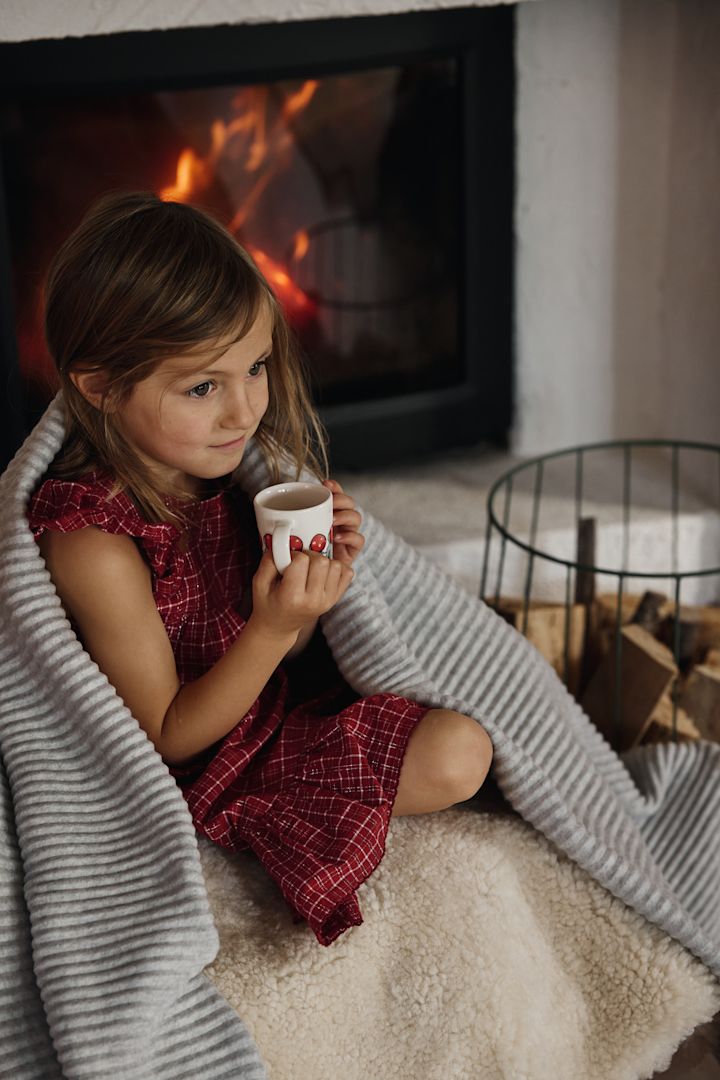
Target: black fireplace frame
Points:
(476, 410)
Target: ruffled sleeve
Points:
(68, 505)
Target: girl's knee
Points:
(464, 754)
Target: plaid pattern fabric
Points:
(307, 778)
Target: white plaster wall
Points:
(618, 221)
(23, 20)
(565, 209)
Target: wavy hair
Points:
(141, 280)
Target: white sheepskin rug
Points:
(484, 954)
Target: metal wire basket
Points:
(608, 519)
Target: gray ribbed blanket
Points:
(105, 925)
(104, 920)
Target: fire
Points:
(302, 243)
(299, 307)
(301, 99)
(262, 147)
(192, 175)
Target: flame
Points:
(300, 99)
(298, 306)
(302, 243)
(264, 148)
(191, 175)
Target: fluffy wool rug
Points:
(485, 954)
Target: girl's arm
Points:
(105, 587)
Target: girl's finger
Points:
(333, 576)
(296, 574)
(348, 537)
(346, 553)
(266, 571)
(350, 519)
(317, 571)
(344, 579)
(335, 585)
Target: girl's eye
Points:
(257, 368)
(200, 391)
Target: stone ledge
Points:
(440, 507)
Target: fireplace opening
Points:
(371, 181)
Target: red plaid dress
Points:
(307, 778)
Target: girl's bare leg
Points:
(447, 759)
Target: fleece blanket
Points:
(646, 826)
(105, 925)
(485, 954)
(105, 920)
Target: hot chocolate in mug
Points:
(295, 516)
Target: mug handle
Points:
(281, 546)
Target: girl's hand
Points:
(310, 586)
(347, 541)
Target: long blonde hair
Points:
(141, 280)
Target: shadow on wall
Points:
(667, 246)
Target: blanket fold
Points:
(646, 826)
(105, 918)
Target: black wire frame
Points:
(497, 523)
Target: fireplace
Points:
(366, 164)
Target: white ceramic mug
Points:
(295, 516)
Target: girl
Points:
(173, 354)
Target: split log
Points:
(585, 595)
(647, 673)
(606, 604)
(585, 555)
(712, 658)
(701, 700)
(699, 631)
(661, 728)
(647, 610)
(546, 631)
(650, 611)
(604, 621)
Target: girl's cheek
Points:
(184, 430)
(264, 400)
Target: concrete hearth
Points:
(440, 507)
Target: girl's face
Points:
(192, 418)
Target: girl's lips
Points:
(232, 445)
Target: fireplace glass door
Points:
(372, 185)
(343, 189)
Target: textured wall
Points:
(21, 20)
(618, 226)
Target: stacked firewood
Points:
(655, 699)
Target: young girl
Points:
(173, 354)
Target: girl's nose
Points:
(238, 412)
